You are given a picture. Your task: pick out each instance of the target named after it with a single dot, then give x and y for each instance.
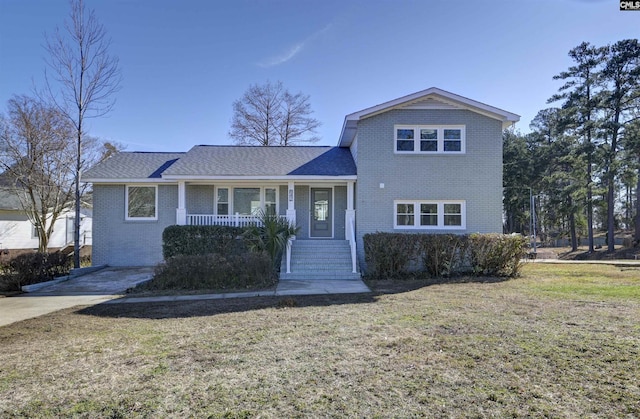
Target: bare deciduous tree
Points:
(37, 160)
(85, 77)
(268, 115)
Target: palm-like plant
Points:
(270, 235)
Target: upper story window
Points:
(142, 203)
(429, 139)
(430, 215)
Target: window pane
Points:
(405, 220)
(452, 214)
(270, 195)
(141, 202)
(452, 209)
(405, 209)
(452, 146)
(404, 145)
(428, 146)
(429, 214)
(428, 220)
(246, 201)
(270, 201)
(404, 134)
(452, 220)
(429, 208)
(223, 195)
(452, 134)
(428, 134)
(404, 214)
(223, 209)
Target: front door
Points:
(321, 208)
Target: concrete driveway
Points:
(89, 289)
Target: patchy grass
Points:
(556, 342)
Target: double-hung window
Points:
(429, 139)
(430, 214)
(141, 203)
(246, 200)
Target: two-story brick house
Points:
(430, 161)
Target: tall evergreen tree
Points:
(621, 103)
(579, 93)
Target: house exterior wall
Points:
(199, 199)
(339, 207)
(16, 231)
(302, 211)
(117, 242)
(283, 191)
(475, 177)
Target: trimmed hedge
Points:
(201, 240)
(213, 271)
(33, 268)
(397, 255)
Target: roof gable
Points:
(432, 98)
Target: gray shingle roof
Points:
(206, 160)
(9, 200)
(132, 165)
(227, 161)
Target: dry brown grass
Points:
(557, 342)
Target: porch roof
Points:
(211, 162)
(241, 161)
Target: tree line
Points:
(581, 160)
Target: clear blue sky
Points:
(184, 62)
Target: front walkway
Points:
(110, 284)
(306, 287)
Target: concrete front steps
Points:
(319, 259)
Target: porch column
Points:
(291, 207)
(181, 211)
(350, 213)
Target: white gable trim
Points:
(424, 100)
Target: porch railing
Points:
(351, 236)
(235, 220)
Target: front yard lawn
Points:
(560, 341)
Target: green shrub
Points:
(213, 271)
(496, 254)
(397, 255)
(443, 254)
(201, 240)
(32, 268)
(388, 255)
(270, 237)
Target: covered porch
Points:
(321, 210)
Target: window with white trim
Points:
(429, 214)
(222, 200)
(429, 139)
(248, 200)
(141, 203)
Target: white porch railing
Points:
(235, 220)
(351, 236)
(288, 255)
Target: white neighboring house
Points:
(17, 232)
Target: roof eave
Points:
(126, 180)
